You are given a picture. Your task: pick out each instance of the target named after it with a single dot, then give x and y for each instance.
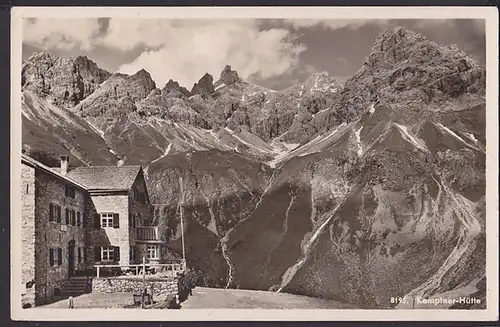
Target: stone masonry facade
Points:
(63, 231)
(28, 224)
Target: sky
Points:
(275, 53)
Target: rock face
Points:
(65, 81)
(357, 192)
(205, 86)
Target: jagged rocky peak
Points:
(174, 87)
(228, 76)
(63, 80)
(205, 85)
(89, 68)
(143, 77)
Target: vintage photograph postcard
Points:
(305, 163)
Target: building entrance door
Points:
(71, 258)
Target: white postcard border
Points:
(490, 14)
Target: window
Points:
(139, 196)
(82, 256)
(54, 213)
(153, 252)
(132, 254)
(55, 257)
(107, 253)
(132, 221)
(69, 191)
(78, 219)
(106, 220)
(27, 188)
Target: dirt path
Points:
(206, 298)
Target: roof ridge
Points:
(51, 170)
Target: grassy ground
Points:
(96, 300)
(213, 298)
(210, 298)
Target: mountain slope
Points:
(353, 212)
(356, 193)
(50, 131)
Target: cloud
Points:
(332, 23)
(62, 34)
(185, 50)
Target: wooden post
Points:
(97, 271)
(136, 270)
(143, 279)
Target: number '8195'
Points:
(398, 300)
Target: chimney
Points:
(64, 164)
(119, 163)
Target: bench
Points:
(138, 298)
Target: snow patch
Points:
(455, 135)
(97, 130)
(372, 109)
(292, 270)
(408, 137)
(472, 137)
(219, 87)
(358, 141)
(451, 132)
(233, 134)
(167, 151)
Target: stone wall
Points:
(159, 286)
(28, 223)
(49, 234)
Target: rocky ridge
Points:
(319, 189)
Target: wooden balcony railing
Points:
(149, 233)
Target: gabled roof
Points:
(51, 171)
(111, 178)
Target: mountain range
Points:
(357, 191)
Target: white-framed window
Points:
(153, 251)
(107, 253)
(106, 220)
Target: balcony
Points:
(149, 233)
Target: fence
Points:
(168, 269)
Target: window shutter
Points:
(97, 221)
(51, 257)
(51, 212)
(78, 219)
(97, 254)
(59, 254)
(79, 255)
(84, 255)
(116, 220)
(67, 216)
(117, 254)
(58, 214)
(73, 218)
